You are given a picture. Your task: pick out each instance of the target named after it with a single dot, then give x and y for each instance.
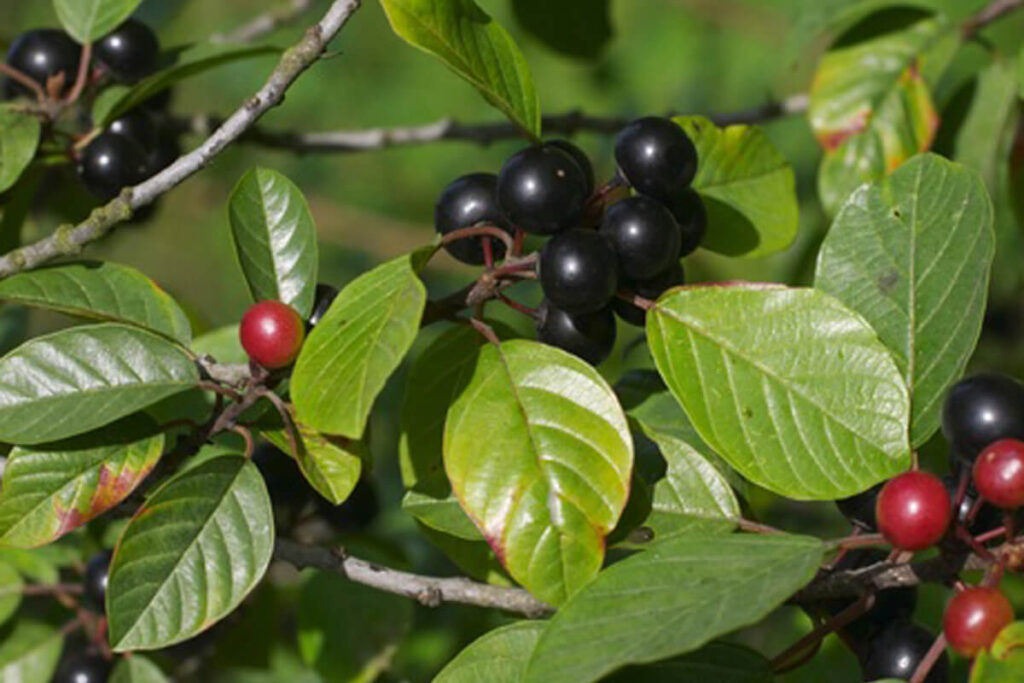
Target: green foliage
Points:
(29, 651)
(11, 585)
(498, 656)
(87, 20)
(1004, 661)
(720, 662)
(19, 138)
(137, 669)
(576, 28)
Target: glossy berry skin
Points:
(590, 336)
(578, 271)
(165, 153)
(97, 571)
(110, 163)
(358, 511)
(648, 289)
(644, 235)
(859, 508)
(467, 201)
(542, 190)
(913, 510)
(138, 126)
(129, 52)
(897, 650)
(999, 474)
(323, 297)
(41, 54)
(272, 333)
(692, 216)
(974, 617)
(83, 668)
(579, 156)
(890, 605)
(656, 157)
(980, 410)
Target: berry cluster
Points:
(132, 148)
(983, 421)
(602, 251)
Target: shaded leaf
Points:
(576, 28)
(498, 656)
(10, 591)
(720, 662)
(29, 652)
(87, 20)
(137, 669)
(19, 138)
(441, 513)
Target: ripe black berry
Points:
(890, 605)
(542, 190)
(358, 511)
(648, 289)
(83, 667)
(692, 216)
(95, 580)
(322, 300)
(579, 156)
(467, 201)
(591, 336)
(897, 650)
(111, 162)
(166, 152)
(981, 410)
(578, 271)
(138, 126)
(859, 508)
(987, 517)
(41, 54)
(129, 52)
(644, 234)
(656, 157)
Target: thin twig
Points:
(932, 656)
(481, 230)
(989, 14)
(263, 24)
(24, 79)
(83, 75)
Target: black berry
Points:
(692, 216)
(859, 508)
(591, 336)
(166, 151)
(890, 605)
(41, 54)
(83, 668)
(987, 517)
(322, 300)
(467, 201)
(138, 126)
(656, 157)
(648, 289)
(542, 190)
(981, 410)
(130, 52)
(578, 271)
(358, 511)
(644, 235)
(897, 650)
(111, 162)
(579, 156)
(95, 579)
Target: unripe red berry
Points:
(913, 510)
(271, 333)
(973, 619)
(999, 474)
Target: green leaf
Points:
(10, 591)
(192, 552)
(498, 656)
(19, 137)
(161, 80)
(75, 380)
(137, 669)
(1004, 661)
(538, 452)
(792, 388)
(475, 559)
(470, 43)
(348, 632)
(356, 346)
(747, 186)
(29, 652)
(575, 28)
(693, 497)
(274, 238)
(101, 291)
(912, 255)
(53, 489)
(87, 20)
(37, 565)
(441, 513)
(222, 343)
(871, 108)
(105, 102)
(669, 600)
(718, 661)
(980, 141)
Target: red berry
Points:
(913, 510)
(999, 473)
(973, 619)
(271, 333)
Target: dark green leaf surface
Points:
(792, 388)
(19, 137)
(52, 489)
(576, 28)
(670, 600)
(137, 669)
(912, 255)
(101, 291)
(75, 380)
(190, 555)
(539, 454)
(87, 20)
(719, 662)
(477, 48)
(356, 346)
(10, 591)
(29, 652)
(499, 656)
(275, 239)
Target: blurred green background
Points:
(688, 56)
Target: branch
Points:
(427, 590)
(990, 13)
(69, 239)
(264, 23)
